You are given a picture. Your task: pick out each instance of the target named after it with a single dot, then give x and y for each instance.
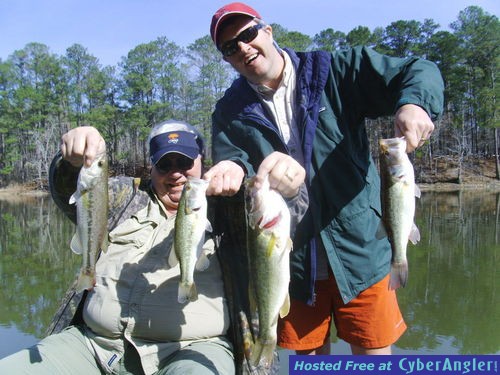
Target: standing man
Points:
(300, 118)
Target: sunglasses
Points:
(246, 36)
(168, 164)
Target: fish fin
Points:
(399, 275)
(256, 353)
(76, 244)
(381, 231)
(187, 292)
(246, 334)
(271, 245)
(86, 280)
(417, 191)
(203, 262)
(137, 183)
(74, 197)
(105, 243)
(414, 236)
(172, 258)
(252, 302)
(285, 309)
(208, 226)
(267, 355)
(262, 355)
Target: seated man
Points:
(131, 320)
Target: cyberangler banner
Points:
(393, 365)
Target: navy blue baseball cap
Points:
(174, 136)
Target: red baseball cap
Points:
(229, 10)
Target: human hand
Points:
(224, 178)
(80, 146)
(413, 122)
(285, 173)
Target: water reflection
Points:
(452, 293)
(451, 302)
(36, 264)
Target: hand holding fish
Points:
(224, 178)
(81, 145)
(413, 122)
(285, 174)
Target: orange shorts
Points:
(371, 320)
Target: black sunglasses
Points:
(246, 36)
(168, 164)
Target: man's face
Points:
(258, 60)
(169, 176)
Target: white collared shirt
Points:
(281, 104)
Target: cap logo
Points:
(173, 138)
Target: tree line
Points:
(43, 95)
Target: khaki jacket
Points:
(135, 297)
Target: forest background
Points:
(43, 95)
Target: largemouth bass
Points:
(398, 205)
(91, 198)
(190, 225)
(269, 246)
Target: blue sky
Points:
(111, 28)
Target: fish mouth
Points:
(384, 148)
(177, 184)
(391, 143)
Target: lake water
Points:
(451, 302)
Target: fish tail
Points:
(256, 353)
(262, 355)
(86, 280)
(187, 292)
(399, 275)
(267, 356)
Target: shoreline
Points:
(20, 190)
(490, 185)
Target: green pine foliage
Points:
(42, 95)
